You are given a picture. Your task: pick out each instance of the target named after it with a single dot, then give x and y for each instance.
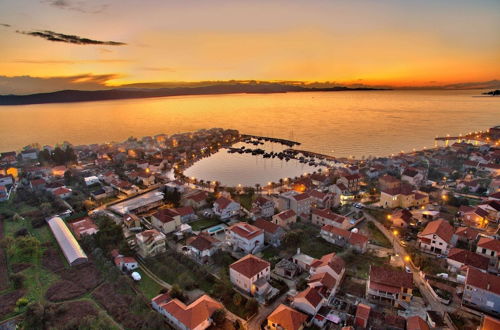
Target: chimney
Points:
(298, 250)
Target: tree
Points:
(17, 280)
(68, 177)
(28, 246)
(35, 316)
(154, 320)
(252, 306)
(176, 292)
(237, 299)
(219, 316)
(291, 239)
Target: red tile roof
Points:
(202, 242)
(441, 228)
(482, 280)
(161, 298)
(352, 238)
(245, 230)
(194, 314)
(183, 211)
(61, 191)
(490, 323)
(311, 295)
(363, 311)
(468, 233)
(267, 226)
(327, 214)
(325, 279)
(489, 243)
(286, 214)
(416, 323)
(250, 265)
(390, 277)
(165, 215)
(336, 263)
(223, 202)
(287, 317)
(301, 197)
(468, 258)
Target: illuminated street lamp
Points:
(407, 258)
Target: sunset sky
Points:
(389, 43)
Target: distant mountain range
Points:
(65, 96)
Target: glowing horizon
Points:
(387, 43)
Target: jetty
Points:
(288, 143)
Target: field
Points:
(47, 278)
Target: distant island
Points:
(66, 96)
(496, 92)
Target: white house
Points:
(250, 274)
(263, 207)
(331, 264)
(490, 248)
(245, 237)
(128, 263)
(90, 180)
(309, 301)
(202, 247)
(437, 237)
(226, 208)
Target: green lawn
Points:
(377, 237)
(310, 242)
(245, 200)
(203, 224)
(358, 265)
(148, 287)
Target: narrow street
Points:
(264, 311)
(419, 281)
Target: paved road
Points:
(419, 281)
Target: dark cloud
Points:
(5, 25)
(81, 6)
(29, 84)
(68, 38)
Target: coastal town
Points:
(115, 236)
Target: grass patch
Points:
(246, 200)
(203, 224)
(377, 237)
(311, 243)
(148, 287)
(358, 265)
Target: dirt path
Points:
(153, 276)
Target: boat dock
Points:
(289, 143)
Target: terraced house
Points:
(150, 243)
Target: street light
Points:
(407, 258)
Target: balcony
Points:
(382, 294)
